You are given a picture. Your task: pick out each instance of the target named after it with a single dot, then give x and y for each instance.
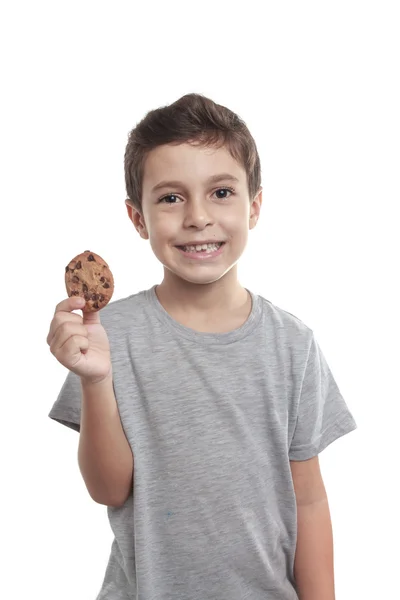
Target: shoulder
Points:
(285, 325)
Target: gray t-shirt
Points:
(213, 421)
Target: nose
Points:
(197, 215)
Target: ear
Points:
(255, 209)
(137, 219)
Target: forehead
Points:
(189, 163)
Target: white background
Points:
(318, 85)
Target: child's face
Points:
(192, 209)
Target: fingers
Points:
(70, 304)
(59, 319)
(63, 309)
(70, 352)
(77, 303)
(66, 323)
(65, 332)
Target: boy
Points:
(201, 406)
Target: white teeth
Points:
(202, 248)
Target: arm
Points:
(314, 564)
(104, 454)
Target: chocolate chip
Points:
(66, 269)
(91, 258)
(102, 279)
(85, 287)
(106, 285)
(95, 305)
(87, 296)
(87, 250)
(74, 293)
(75, 279)
(101, 297)
(78, 265)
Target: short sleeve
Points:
(67, 408)
(322, 414)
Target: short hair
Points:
(192, 119)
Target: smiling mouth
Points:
(212, 247)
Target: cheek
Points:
(238, 222)
(163, 228)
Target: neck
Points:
(211, 298)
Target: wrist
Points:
(88, 382)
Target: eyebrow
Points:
(212, 179)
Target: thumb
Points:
(91, 317)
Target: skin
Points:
(205, 295)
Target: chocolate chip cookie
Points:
(89, 277)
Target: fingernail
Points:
(80, 301)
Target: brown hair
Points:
(193, 119)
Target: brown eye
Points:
(224, 191)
